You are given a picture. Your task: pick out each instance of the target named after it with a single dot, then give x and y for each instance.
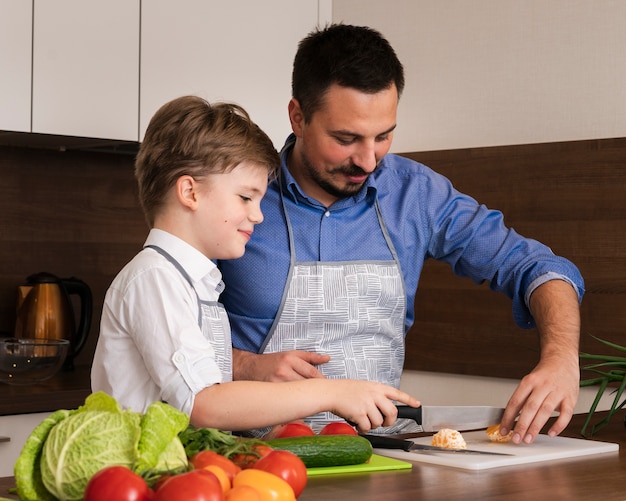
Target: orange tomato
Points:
(221, 475)
(243, 493)
(206, 458)
(271, 487)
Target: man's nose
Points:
(365, 157)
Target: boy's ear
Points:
(186, 191)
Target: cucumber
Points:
(326, 450)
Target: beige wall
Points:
(497, 72)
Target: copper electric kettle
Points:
(45, 310)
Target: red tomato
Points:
(248, 460)
(207, 458)
(271, 487)
(338, 428)
(119, 483)
(286, 465)
(195, 485)
(294, 430)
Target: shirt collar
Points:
(199, 267)
(291, 186)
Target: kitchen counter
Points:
(588, 478)
(66, 390)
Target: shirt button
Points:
(179, 357)
(327, 213)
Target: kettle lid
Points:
(42, 278)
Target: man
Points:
(327, 286)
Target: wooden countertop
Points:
(66, 390)
(588, 478)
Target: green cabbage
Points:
(68, 447)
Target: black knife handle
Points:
(414, 413)
(380, 442)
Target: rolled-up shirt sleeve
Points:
(152, 347)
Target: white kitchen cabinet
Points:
(15, 64)
(239, 51)
(17, 429)
(86, 68)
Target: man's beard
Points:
(346, 191)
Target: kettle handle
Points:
(76, 286)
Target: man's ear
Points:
(186, 191)
(296, 117)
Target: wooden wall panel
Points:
(571, 196)
(69, 213)
(76, 213)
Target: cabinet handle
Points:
(5, 439)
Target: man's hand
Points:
(554, 384)
(273, 367)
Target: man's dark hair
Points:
(351, 56)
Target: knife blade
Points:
(382, 442)
(433, 418)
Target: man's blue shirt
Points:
(425, 218)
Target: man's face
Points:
(341, 145)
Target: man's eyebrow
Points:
(342, 132)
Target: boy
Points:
(202, 170)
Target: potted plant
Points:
(610, 372)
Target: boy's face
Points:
(229, 208)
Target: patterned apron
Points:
(213, 322)
(353, 311)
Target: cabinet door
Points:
(86, 68)
(239, 51)
(16, 23)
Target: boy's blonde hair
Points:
(189, 136)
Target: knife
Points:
(381, 442)
(457, 417)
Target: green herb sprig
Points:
(610, 370)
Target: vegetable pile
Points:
(66, 449)
(100, 452)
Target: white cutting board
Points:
(544, 448)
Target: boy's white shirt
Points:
(150, 316)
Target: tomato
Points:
(295, 429)
(286, 465)
(195, 485)
(248, 460)
(243, 493)
(221, 475)
(206, 458)
(119, 483)
(271, 487)
(160, 480)
(338, 428)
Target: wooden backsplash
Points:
(69, 213)
(572, 197)
(76, 213)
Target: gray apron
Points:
(213, 322)
(353, 311)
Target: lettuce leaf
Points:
(27, 471)
(84, 443)
(159, 445)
